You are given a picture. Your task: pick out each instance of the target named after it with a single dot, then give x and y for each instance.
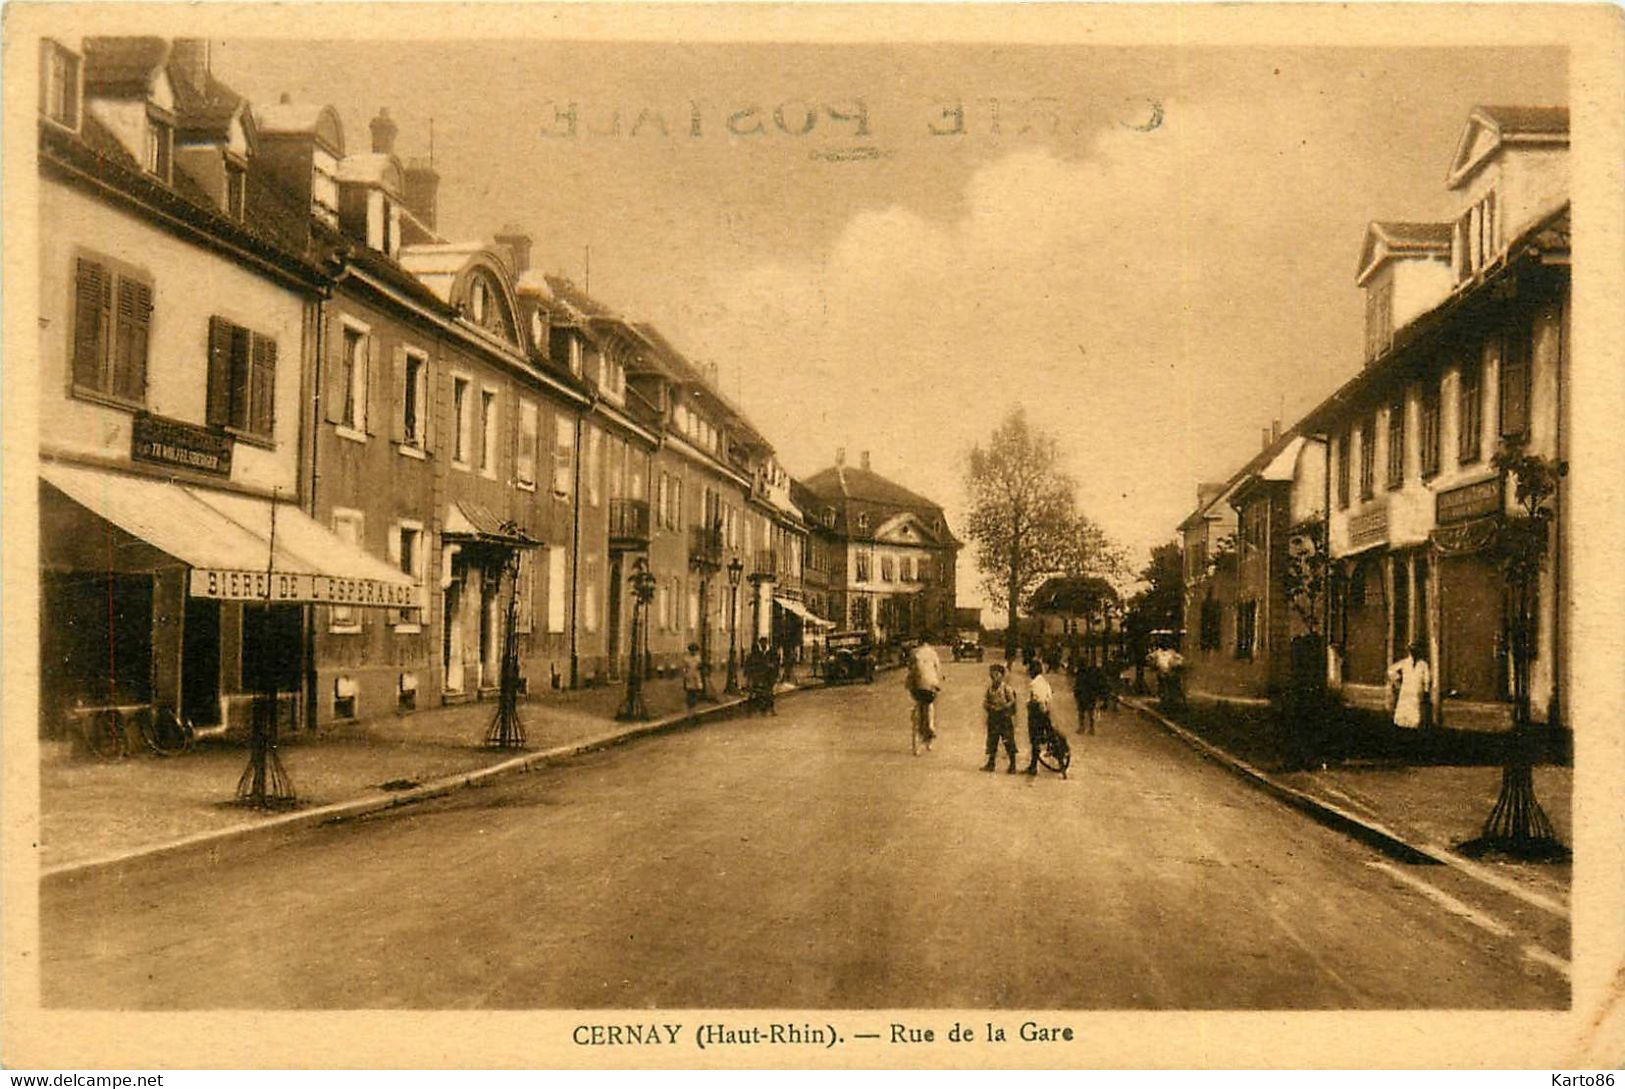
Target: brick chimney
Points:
(512, 236)
(190, 57)
(422, 191)
(383, 132)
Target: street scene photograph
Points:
(537, 522)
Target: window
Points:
(236, 190)
(463, 413)
(1429, 445)
(863, 566)
(1343, 453)
(563, 453)
(829, 518)
(863, 522)
(347, 526)
(353, 354)
(59, 84)
(1515, 382)
(480, 302)
(1469, 413)
(525, 458)
(159, 148)
(888, 569)
(406, 550)
(1379, 318)
(489, 431)
(594, 467)
(1368, 457)
(112, 322)
(589, 594)
(555, 590)
(1396, 443)
(575, 355)
(525, 592)
(414, 395)
(1212, 615)
(1246, 629)
(242, 379)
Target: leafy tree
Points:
(1023, 517)
(1304, 577)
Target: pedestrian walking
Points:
(1039, 725)
(761, 674)
(924, 681)
(999, 706)
(693, 676)
(1409, 683)
(1089, 691)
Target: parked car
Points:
(849, 656)
(968, 646)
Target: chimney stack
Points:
(517, 242)
(383, 132)
(191, 57)
(422, 186)
(840, 455)
(866, 461)
(1275, 429)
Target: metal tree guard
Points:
(1517, 826)
(634, 709)
(735, 570)
(507, 729)
(265, 783)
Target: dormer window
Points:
(575, 355)
(236, 190)
(1477, 237)
(159, 151)
(59, 84)
(479, 302)
(1379, 317)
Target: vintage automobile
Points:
(849, 656)
(968, 646)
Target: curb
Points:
(1334, 816)
(368, 805)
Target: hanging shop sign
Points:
(1476, 500)
(181, 445)
(300, 588)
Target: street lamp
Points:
(643, 592)
(735, 571)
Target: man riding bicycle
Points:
(924, 681)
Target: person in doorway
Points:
(1039, 724)
(999, 705)
(924, 681)
(761, 674)
(1410, 682)
(693, 679)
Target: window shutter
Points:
(92, 299)
(262, 387)
(397, 417)
(429, 397)
(368, 382)
(333, 383)
(1515, 382)
(134, 317)
(219, 398)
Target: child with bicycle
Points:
(1040, 728)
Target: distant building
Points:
(896, 557)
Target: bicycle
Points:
(166, 732)
(100, 732)
(1053, 750)
(923, 728)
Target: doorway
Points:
(200, 662)
(451, 642)
(615, 616)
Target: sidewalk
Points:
(1425, 808)
(91, 809)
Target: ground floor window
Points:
(96, 639)
(1246, 629)
(272, 639)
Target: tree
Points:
(1517, 825)
(1160, 605)
(1023, 517)
(1303, 579)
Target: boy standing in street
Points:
(999, 704)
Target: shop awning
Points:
(226, 539)
(473, 522)
(790, 604)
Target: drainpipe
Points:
(312, 475)
(575, 561)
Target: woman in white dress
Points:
(1410, 680)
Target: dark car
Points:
(849, 656)
(968, 646)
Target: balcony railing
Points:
(705, 546)
(628, 523)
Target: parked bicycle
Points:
(100, 732)
(166, 732)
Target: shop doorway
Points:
(451, 641)
(1365, 648)
(1469, 630)
(200, 662)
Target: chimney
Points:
(1275, 430)
(422, 189)
(1264, 438)
(840, 455)
(1207, 493)
(190, 57)
(512, 236)
(383, 132)
(865, 456)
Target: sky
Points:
(886, 248)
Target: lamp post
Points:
(643, 592)
(735, 571)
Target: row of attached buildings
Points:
(293, 436)
(1467, 332)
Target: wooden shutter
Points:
(219, 396)
(333, 377)
(130, 355)
(262, 387)
(430, 400)
(92, 301)
(368, 383)
(397, 417)
(1515, 382)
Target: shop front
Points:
(162, 594)
(1472, 671)
(480, 563)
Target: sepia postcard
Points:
(813, 535)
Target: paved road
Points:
(808, 861)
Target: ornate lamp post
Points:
(735, 571)
(642, 582)
(507, 730)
